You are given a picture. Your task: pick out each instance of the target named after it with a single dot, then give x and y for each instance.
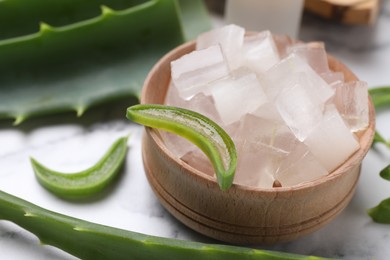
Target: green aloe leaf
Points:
(87, 182)
(200, 130)
(79, 62)
(194, 18)
(380, 98)
(25, 16)
(385, 173)
(93, 241)
(381, 212)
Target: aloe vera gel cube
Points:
(292, 118)
(241, 85)
(313, 53)
(292, 71)
(300, 166)
(230, 38)
(259, 52)
(196, 69)
(351, 101)
(331, 141)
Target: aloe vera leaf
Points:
(380, 96)
(87, 240)
(378, 138)
(87, 63)
(21, 17)
(87, 182)
(26, 16)
(381, 212)
(194, 18)
(385, 173)
(200, 130)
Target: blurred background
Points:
(355, 31)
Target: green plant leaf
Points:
(87, 240)
(89, 61)
(87, 182)
(381, 212)
(385, 173)
(380, 96)
(378, 138)
(194, 18)
(20, 17)
(200, 130)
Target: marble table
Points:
(71, 144)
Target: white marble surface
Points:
(70, 144)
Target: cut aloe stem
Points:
(87, 182)
(198, 129)
(87, 240)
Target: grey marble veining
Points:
(72, 144)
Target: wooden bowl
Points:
(244, 215)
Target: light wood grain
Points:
(358, 12)
(244, 215)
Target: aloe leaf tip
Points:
(19, 119)
(80, 110)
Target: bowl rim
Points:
(365, 137)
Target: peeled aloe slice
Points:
(200, 130)
(85, 63)
(87, 182)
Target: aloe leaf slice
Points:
(85, 63)
(87, 240)
(378, 138)
(385, 173)
(381, 212)
(87, 182)
(200, 130)
(380, 96)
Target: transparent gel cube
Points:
(230, 37)
(331, 141)
(237, 95)
(300, 166)
(192, 72)
(259, 52)
(313, 53)
(351, 100)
